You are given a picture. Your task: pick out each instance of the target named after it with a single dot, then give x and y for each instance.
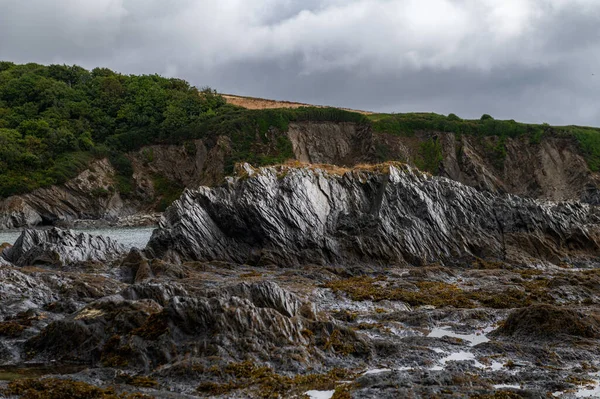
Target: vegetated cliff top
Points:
(54, 120)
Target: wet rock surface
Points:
(228, 330)
(508, 322)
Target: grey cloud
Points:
(530, 60)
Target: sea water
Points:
(128, 236)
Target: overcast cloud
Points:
(529, 60)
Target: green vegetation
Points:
(430, 155)
(54, 120)
(408, 124)
(168, 191)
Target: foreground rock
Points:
(386, 214)
(550, 322)
(56, 247)
(259, 321)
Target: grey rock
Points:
(267, 295)
(390, 214)
(225, 324)
(20, 292)
(58, 247)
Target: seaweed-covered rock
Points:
(57, 247)
(541, 322)
(386, 214)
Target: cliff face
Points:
(390, 214)
(345, 144)
(89, 195)
(552, 169)
(94, 194)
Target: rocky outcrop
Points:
(553, 169)
(234, 323)
(56, 247)
(388, 214)
(91, 195)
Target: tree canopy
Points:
(54, 119)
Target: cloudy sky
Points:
(529, 60)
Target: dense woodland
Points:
(55, 119)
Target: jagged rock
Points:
(387, 214)
(161, 292)
(136, 266)
(3, 262)
(20, 292)
(236, 322)
(58, 247)
(267, 295)
(81, 337)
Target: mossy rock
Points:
(549, 322)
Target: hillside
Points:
(77, 144)
(263, 103)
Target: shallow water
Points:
(128, 236)
(320, 394)
(478, 338)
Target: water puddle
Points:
(496, 366)
(383, 370)
(585, 391)
(474, 339)
(590, 390)
(504, 386)
(320, 394)
(376, 371)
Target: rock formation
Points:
(56, 247)
(234, 323)
(386, 214)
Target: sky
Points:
(528, 60)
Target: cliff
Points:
(552, 169)
(384, 214)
